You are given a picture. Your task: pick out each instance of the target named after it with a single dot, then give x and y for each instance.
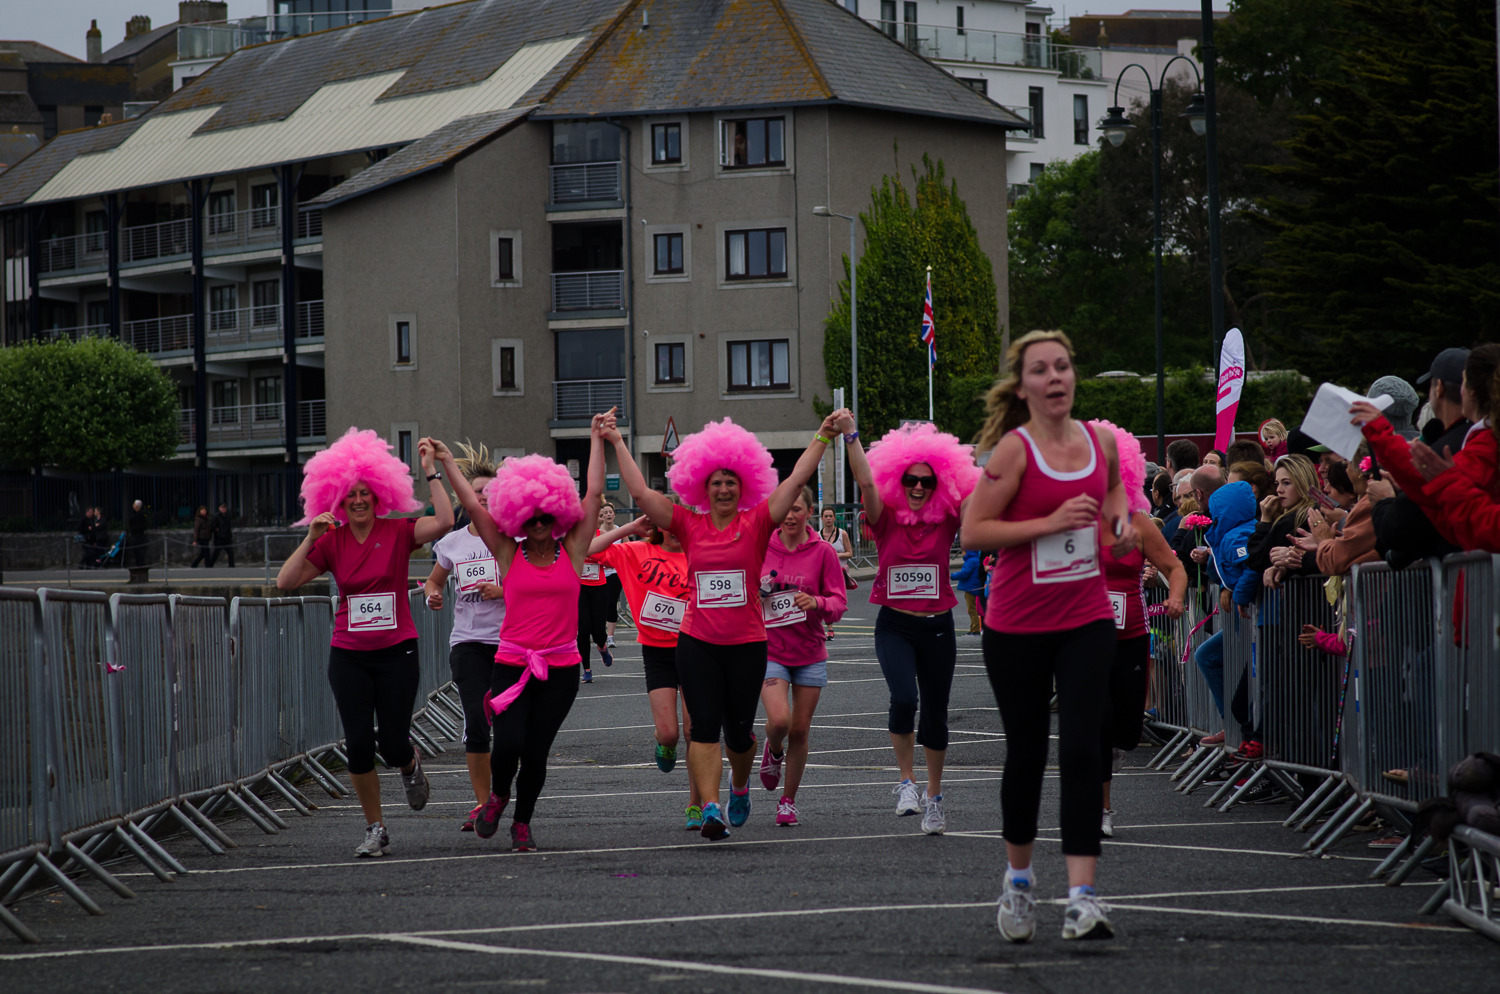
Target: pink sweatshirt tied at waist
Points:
(536, 665)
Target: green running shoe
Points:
(694, 817)
(666, 757)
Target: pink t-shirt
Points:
(1127, 598)
(912, 569)
(374, 605)
(1054, 583)
(813, 568)
(541, 609)
(723, 570)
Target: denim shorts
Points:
(811, 675)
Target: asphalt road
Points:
(620, 898)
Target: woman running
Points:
(372, 663)
(806, 583)
(839, 539)
(721, 649)
(1130, 674)
(478, 610)
(914, 483)
(1049, 485)
(611, 582)
(654, 575)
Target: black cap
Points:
(1447, 367)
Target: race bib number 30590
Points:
(915, 582)
(1065, 556)
(372, 612)
(721, 588)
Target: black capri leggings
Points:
(471, 663)
(721, 688)
(661, 667)
(917, 656)
(1126, 708)
(371, 685)
(1021, 669)
(593, 611)
(525, 730)
(612, 585)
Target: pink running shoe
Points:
(468, 825)
(770, 768)
(786, 813)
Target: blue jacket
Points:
(970, 577)
(1234, 511)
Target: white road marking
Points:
(995, 834)
(1309, 919)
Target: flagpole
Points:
(929, 353)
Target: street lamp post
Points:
(1211, 154)
(853, 313)
(1115, 126)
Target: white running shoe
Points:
(933, 822)
(908, 798)
(1085, 919)
(1107, 824)
(1016, 916)
(1116, 760)
(377, 842)
(609, 643)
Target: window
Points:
(669, 253)
(759, 365)
(888, 17)
(403, 342)
(505, 260)
(98, 311)
(1037, 168)
(505, 376)
(757, 253)
(909, 15)
(96, 226)
(1033, 51)
(1034, 97)
(591, 354)
(756, 141)
(225, 403)
(91, 116)
(976, 83)
(1080, 119)
(666, 143)
(266, 296)
(223, 302)
(403, 446)
(264, 201)
(671, 366)
(584, 141)
(49, 120)
(267, 398)
(221, 212)
(852, 6)
(959, 13)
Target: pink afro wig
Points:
(1132, 467)
(528, 486)
(357, 456)
(721, 445)
(951, 461)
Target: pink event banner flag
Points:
(1231, 382)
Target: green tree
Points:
(89, 405)
(1275, 49)
(1389, 253)
(903, 236)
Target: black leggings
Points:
(721, 689)
(1126, 709)
(1021, 668)
(593, 612)
(612, 588)
(917, 656)
(525, 730)
(375, 685)
(661, 667)
(471, 663)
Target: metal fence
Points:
(36, 502)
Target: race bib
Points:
(591, 571)
(372, 612)
(722, 588)
(781, 610)
(663, 612)
(915, 582)
(1117, 601)
(1066, 556)
(474, 572)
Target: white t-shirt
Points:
(471, 562)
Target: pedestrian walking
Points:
(203, 536)
(223, 536)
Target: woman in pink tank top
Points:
(1049, 487)
(539, 533)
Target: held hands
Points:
(317, 526)
(427, 452)
(805, 601)
(843, 421)
(1428, 462)
(604, 425)
(435, 599)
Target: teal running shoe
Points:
(713, 823)
(666, 757)
(694, 817)
(739, 806)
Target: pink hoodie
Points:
(813, 568)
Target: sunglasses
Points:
(912, 480)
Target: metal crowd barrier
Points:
(440, 711)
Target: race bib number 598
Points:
(721, 588)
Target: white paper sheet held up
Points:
(1328, 418)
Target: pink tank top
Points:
(541, 609)
(1127, 598)
(1053, 583)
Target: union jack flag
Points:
(929, 327)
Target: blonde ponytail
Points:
(1006, 411)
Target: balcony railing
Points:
(255, 422)
(75, 334)
(244, 327)
(599, 290)
(152, 335)
(585, 181)
(574, 399)
(216, 39)
(257, 227)
(1024, 113)
(1001, 48)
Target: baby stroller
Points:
(115, 556)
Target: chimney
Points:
(138, 25)
(200, 11)
(93, 41)
(1103, 41)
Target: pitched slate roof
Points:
(35, 51)
(14, 147)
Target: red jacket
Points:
(1475, 463)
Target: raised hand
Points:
(317, 526)
(1362, 412)
(1429, 463)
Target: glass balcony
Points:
(1002, 48)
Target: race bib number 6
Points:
(781, 610)
(1065, 556)
(372, 612)
(915, 582)
(474, 572)
(722, 588)
(663, 612)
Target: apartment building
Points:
(490, 220)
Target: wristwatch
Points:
(435, 476)
(849, 437)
